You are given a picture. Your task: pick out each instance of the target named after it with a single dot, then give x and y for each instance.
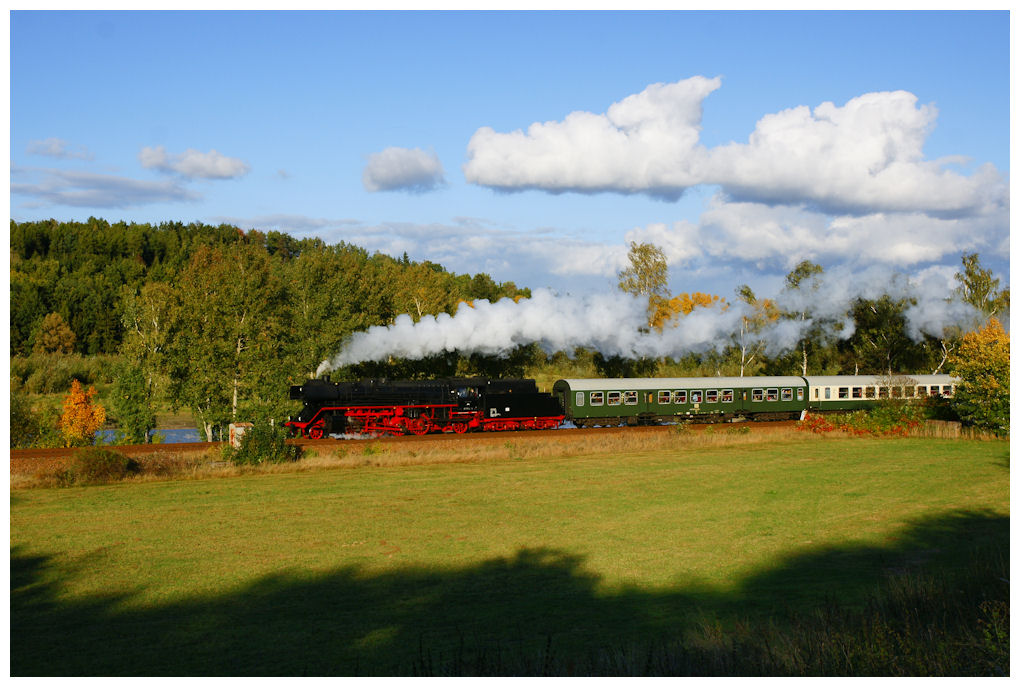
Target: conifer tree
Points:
(54, 335)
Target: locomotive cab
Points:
(466, 397)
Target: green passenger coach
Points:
(607, 402)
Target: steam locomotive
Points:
(381, 406)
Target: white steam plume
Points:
(615, 323)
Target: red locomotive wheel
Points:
(419, 426)
(460, 427)
(317, 431)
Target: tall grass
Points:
(918, 625)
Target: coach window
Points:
(909, 392)
(680, 397)
(579, 398)
(664, 397)
(857, 392)
(947, 391)
(711, 396)
(897, 391)
(630, 398)
(869, 392)
(800, 395)
(696, 397)
(772, 395)
(933, 391)
(816, 393)
(613, 399)
(596, 398)
(727, 395)
(787, 394)
(828, 393)
(758, 395)
(883, 392)
(844, 392)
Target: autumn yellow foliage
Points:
(82, 416)
(682, 304)
(982, 364)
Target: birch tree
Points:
(749, 341)
(229, 350)
(804, 276)
(979, 288)
(647, 275)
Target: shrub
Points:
(31, 427)
(739, 430)
(50, 373)
(100, 465)
(263, 443)
(816, 424)
(890, 417)
(20, 368)
(887, 418)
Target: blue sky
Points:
(533, 146)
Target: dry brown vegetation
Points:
(28, 472)
(188, 463)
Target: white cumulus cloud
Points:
(782, 235)
(861, 158)
(646, 143)
(193, 163)
(403, 169)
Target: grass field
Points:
(567, 564)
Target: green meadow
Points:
(699, 559)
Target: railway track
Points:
(505, 436)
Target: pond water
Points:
(170, 436)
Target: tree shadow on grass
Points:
(537, 612)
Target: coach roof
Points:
(652, 384)
(880, 380)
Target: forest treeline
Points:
(90, 273)
(221, 321)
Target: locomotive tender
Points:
(460, 405)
